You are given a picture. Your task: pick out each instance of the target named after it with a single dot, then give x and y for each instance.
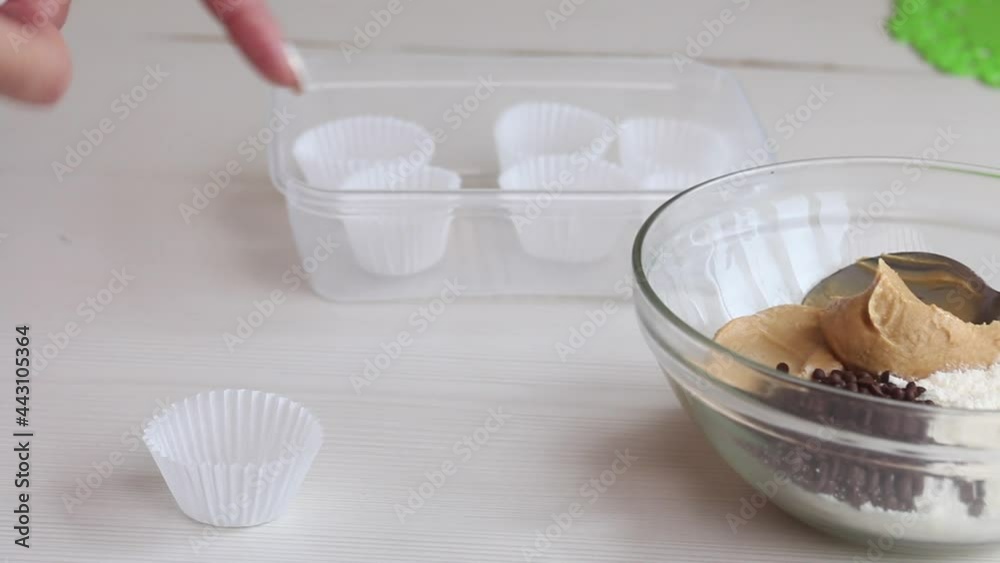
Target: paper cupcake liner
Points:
(397, 246)
(675, 154)
(359, 142)
(428, 178)
(327, 176)
(234, 457)
(553, 229)
(673, 180)
(406, 242)
(570, 239)
(534, 129)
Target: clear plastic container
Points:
(386, 244)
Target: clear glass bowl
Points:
(867, 469)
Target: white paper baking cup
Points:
(325, 152)
(234, 457)
(329, 176)
(534, 129)
(408, 240)
(551, 225)
(675, 154)
(672, 181)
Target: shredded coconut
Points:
(965, 389)
(940, 516)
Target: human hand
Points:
(35, 62)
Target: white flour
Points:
(939, 514)
(964, 389)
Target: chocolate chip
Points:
(904, 488)
(783, 367)
(976, 508)
(873, 482)
(848, 473)
(967, 492)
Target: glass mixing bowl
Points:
(887, 474)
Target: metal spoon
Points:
(935, 279)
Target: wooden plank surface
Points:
(160, 339)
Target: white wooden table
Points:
(160, 338)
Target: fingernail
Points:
(298, 66)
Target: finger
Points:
(255, 31)
(38, 13)
(33, 69)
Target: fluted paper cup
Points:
(409, 240)
(534, 129)
(675, 154)
(675, 180)
(325, 152)
(551, 225)
(234, 457)
(330, 176)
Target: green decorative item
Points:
(957, 36)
